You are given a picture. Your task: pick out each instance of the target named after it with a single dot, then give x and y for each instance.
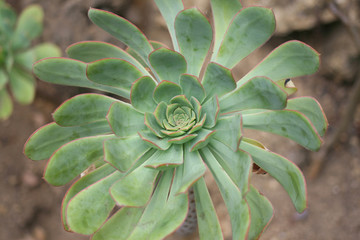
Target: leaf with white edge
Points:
(89, 209)
(153, 141)
(259, 92)
(189, 172)
(123, 30)
(125, 120)
(165, 91)
(119, 152)
(194, 36)
(286, 123)
(223, 13)
(83, 183)
(113, 72)
(218, 80)
(22, 85)
(229, 131)
(235, 203)
(201, 140)
(250, 28)
(73, 158)
(83, 109)
(284, 171)
(291, 59)
(172, 157)
(261, 212)
(142, 94)
(66, 71)
(127, 218)
(237, 165)
(164, 213)
(6, 105)
(208, 222)
(168, 64)
(211, 109)
(135, 189)
(169, 10)
(42, 143)
(311, 109)
(192, 87)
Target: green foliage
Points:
(146, 154)
(16, 59)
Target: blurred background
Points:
(30, 208)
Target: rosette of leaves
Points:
(143, 154)
(16, 58)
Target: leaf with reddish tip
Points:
(165, 91)
(218, 80)
(261, 212)
(123, 30)
(182, 139)
(284, 171)
(181, 100)
(168, 64)
(192, 87)
(209, 226)
(6, 105)
(73, 158)
(234, 200)
(82, 109)
(259, 92)
(22, 85)
(89, 209)
(196, 107)
(210, 109)
(42, 143)
(153, 125)
(142, 94)
(287, 123)
(291, 59)
(194, 36)
(201, 140)
(125, 120)
(198, 125)
(250, 28)
(229, 131)
(160, 113)
(172, 157)
(153, 141)
(119, 152)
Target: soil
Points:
(30, 208)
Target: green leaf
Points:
(3, 79)
(233, 198)
(259, 92)
(291, 59)
(201, 140)
(172, 157)
(169, 10)
(135, 189)
(113, 72)
(42, 143)
(312, 110)
(192, 87)
(125, 120)
(153, 125)
(122, 153)
(284, 171)
(208, 223)
(250, 28)
(168, 64)
(211, 110)
(89, 209)
(70, 72)
(81, 184)
(181, 100)
(229, 131)
(154, 141)
(182, 139)
(287, 123)
(142, 94)
(160, 113)
(123, 30)
(22, 85)
(189, 172)
(7, 22)
(82, 109)
(194, 36)
(164, 213)
(217, 80)
(261, 212)
(29, 26)
(6, 105)
(165, 91)
(73, 158)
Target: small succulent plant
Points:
(16, 58)
(185, 114)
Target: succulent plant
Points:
(16, 58)
(144, 153)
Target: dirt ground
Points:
(30, 208)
